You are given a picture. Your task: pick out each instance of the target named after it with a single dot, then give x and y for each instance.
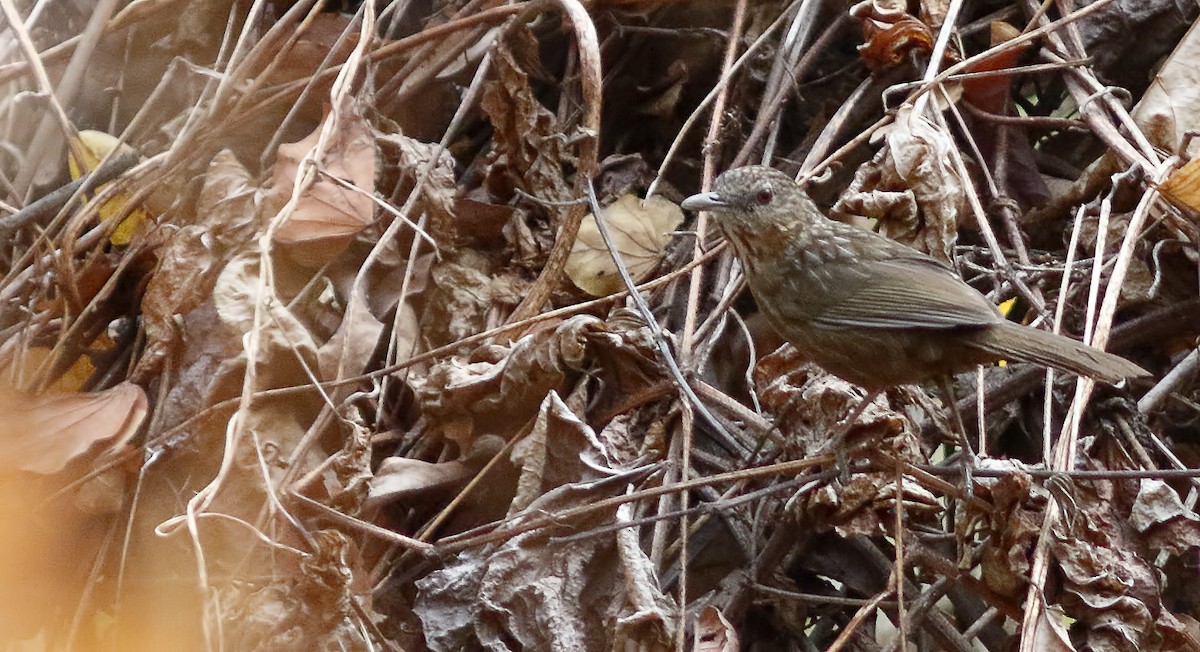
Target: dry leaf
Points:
(1183, 186)
(910, 186)
(327, 213)
(527, 589)
(1050, 635)
(1160, 516)
(414, 159)
(640, 230)
(350, 348)
(403, 479)
(891, 36)
(282, 337)
(992, 93)
(44, 433)
(189, 263)
(1171, 105)
(714, 633)
(494, 397)
(95, 146)
(530, 145)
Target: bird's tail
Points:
(1025, 344)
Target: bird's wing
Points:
(910, 292)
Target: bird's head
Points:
(756, 202)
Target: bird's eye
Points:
(763, 196)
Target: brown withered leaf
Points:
(527, 588)
(1108, 586)
(44, 433)
(327, 214)
(809, 403)
(640, 230)
(189, 263)
(313, 46)
(560, 449)
(1160, 516)
(653, 620)
(1050, 634)
(891, 36)
(1183, 186)
(350, 348)
(1170, 106)
(282, 336)
(468, 398)
(405, 479)
(1012, 525)
(910, 186)
(415, 158)
(530, 144)
(991, 93)
(1139, 277)
(466, 288)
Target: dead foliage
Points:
(311, 340)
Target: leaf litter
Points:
(325, 368)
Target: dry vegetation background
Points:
(338, 358)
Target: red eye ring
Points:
(764, 196)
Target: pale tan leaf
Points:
(1171, 105)
(1050, 635)
(235, 295)
(347, 352)
(401, 478)
(1183, 186)
(640, 230)
(328, 212)
(43, 433)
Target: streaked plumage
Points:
(866, 308)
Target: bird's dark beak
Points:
(705, 201)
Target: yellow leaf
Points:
(95, 146)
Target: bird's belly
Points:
(877, 358)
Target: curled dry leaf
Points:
(328, 212)
(470, 398)
(992, 93)
(350, 348)
(465, 287)
(526, 590)
(189, 263)
(1113, 591)
(414, 159)
(891, 36)
(714, 633)
(1013, 526)
(44, 433)
(1183, 186)
(530, 145)
(653, 618)
(282, 335)
(561, 448)
(811, 403)
(640, 230)
(1160, 516)
(910, 186)
(1051, 635)
(1170, 107)
(403, 478)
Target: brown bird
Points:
(865, 308)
